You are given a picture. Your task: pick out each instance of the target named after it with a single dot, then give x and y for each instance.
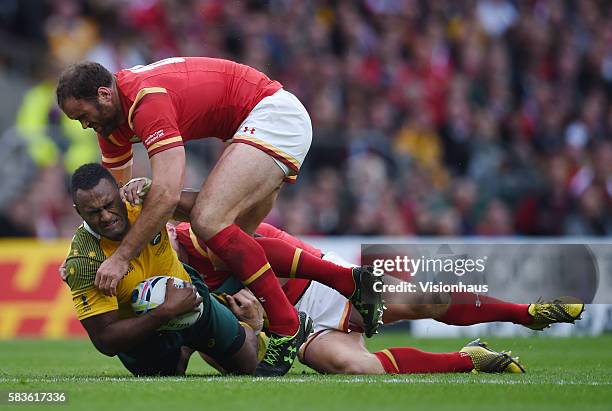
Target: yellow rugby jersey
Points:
(87, 252)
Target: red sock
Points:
(464, 311)
(407, 360)
(247, 261)
(291, 262)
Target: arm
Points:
(168, 169)
(111, 335)
(136, 190)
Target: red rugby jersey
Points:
(198, 258)
(180, 99)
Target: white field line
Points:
(291, 380)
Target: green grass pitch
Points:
(562, 373)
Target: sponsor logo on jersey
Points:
(156, 239)
(154, 137)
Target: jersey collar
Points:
(90, 230)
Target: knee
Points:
(208, 221)
(245, 361)
(431, 305)
(429, 310)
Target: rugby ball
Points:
(150, 293)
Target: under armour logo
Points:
(252, 130)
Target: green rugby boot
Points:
(282, 350)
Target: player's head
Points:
(86, 93)
(96, 198)
(175, 243)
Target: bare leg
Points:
(413, 306)
(250, 219)
(340, 353)
(245, 360)
(243, 179)
(244, 184)
(337, 352)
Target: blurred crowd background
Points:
(430, 117)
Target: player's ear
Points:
(171, 231)
(105, 94)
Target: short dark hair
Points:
(87, 177)
(81, 81)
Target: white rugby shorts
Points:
(280, 126)
(329, 309)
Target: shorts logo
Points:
(86, 306)
(252, 130)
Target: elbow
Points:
(169, 197)
(174, 200)
(110, 353)
(105, 348)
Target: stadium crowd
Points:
(452, 118)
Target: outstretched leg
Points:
(336, 352)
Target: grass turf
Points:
(562, 373)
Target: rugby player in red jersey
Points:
(166, 103)
(337, 347)
(337, 344)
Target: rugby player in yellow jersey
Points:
(109, 320)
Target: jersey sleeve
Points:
(114, 155)
(187, 238)
(268, 230)
(154, 120)
(86, 298)
(197, 253)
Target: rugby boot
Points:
(489, 361)
(366, 300)
(282, 350)
(560, 310)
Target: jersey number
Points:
(141, 69)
